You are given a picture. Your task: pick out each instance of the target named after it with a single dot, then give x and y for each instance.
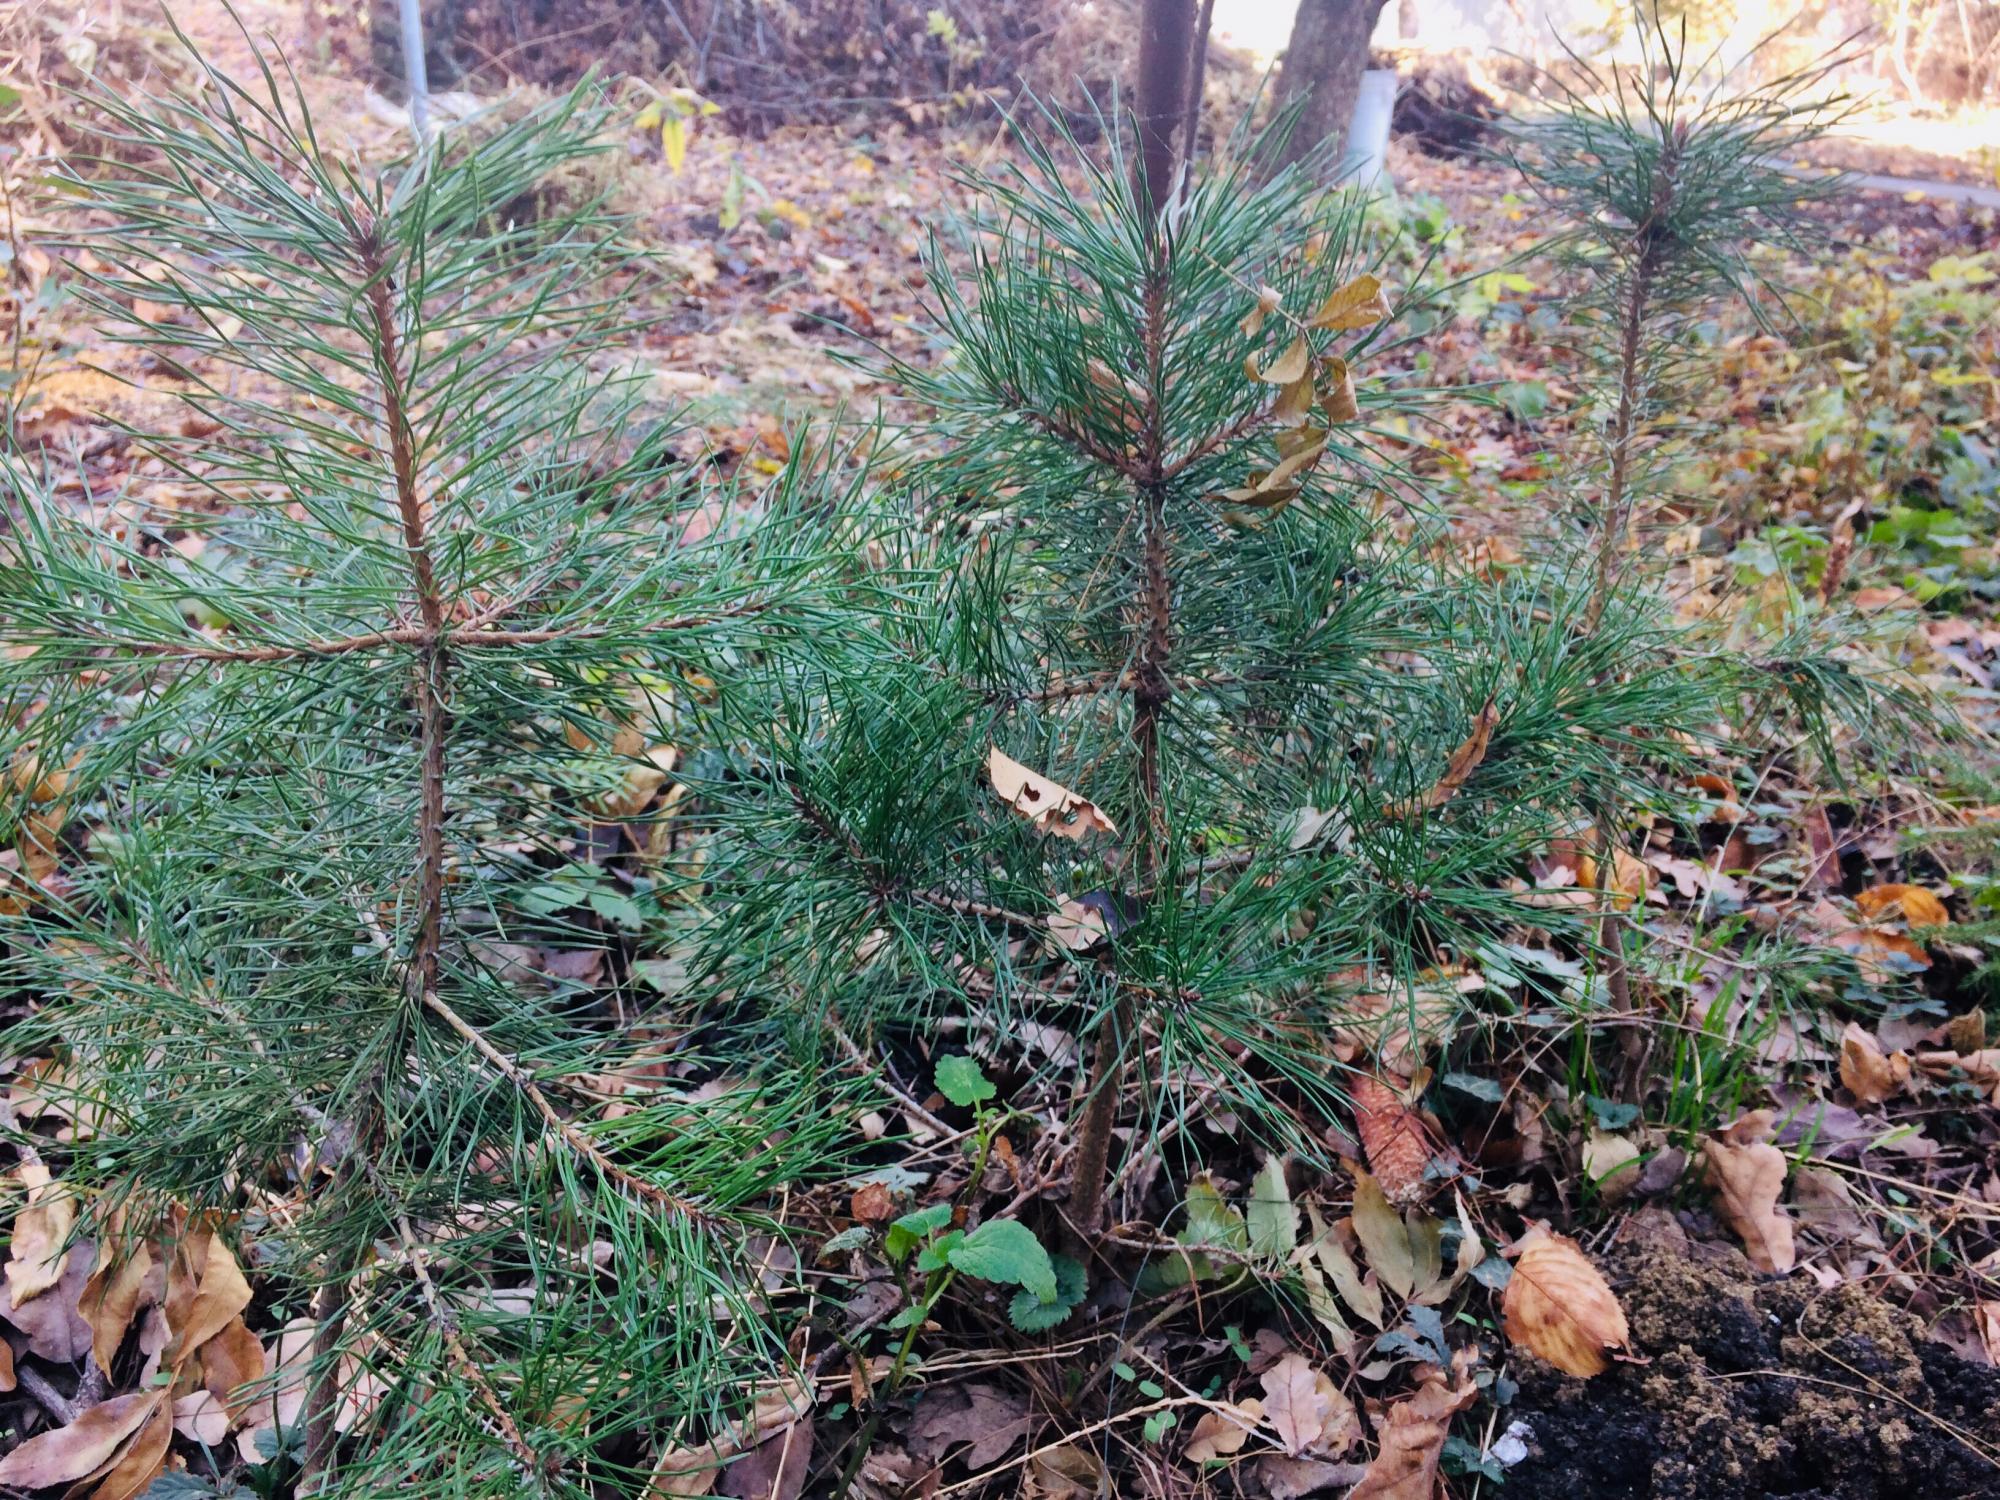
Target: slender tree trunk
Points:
(1323, 64)
(1166, 37)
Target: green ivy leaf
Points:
(960, 1080)
(1006, 1250)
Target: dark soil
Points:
(1757, 1388)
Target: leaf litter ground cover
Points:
(1819, 1315)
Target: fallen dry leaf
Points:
(139, 1463)
(41, 1234)
(1611, 1163)
(1412, 1440)
(1065, 1472)
(1458, 770)
(111, 1300)
(219, 1297)
(1748, 1174)
(1823, 865)
(1987, 1320)
(1291, 1403)
(1982, 1068)
(230, 1361)
(1050, 806)
(82, 1448)
(1223, 1430)
(1870, 1074)
(1559, 1306)
(1307, 1410)
(1911, 903)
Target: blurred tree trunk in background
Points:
(1166, 43)
(1323, 62)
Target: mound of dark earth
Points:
(1757, 1388)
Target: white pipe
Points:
(413, 69)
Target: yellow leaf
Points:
(111, 1299)
(674, 141)
(1917, 906)
(1295, 402)
(791, 213)
(1384, 1236)
(1557, 1305)
(41, 1230)
(1359, 304)
(1050, 806)
(1289, 366)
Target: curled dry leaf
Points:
(1287, 367)
(1909, 903)
(1050, 806)
(41, 1234)
(140, 1461)
(1748, 1175)
(1558, 1306)
(1398, 1148)
(1869, 1074)
(1458, 770)
(1412, 1437)
(111, 1299)
(1224, 1430)
(1080, 924)
(1357, 304)
(1336, 392)
(1268, 298)
(1823, 865)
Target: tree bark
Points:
(1323, 64)
(1166, 37)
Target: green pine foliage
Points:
(304, 796)
(294, 809)
(1261, 694)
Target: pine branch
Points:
(563, 1129)
(472, 638)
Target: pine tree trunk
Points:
(1323, 62)
(1166, 37)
